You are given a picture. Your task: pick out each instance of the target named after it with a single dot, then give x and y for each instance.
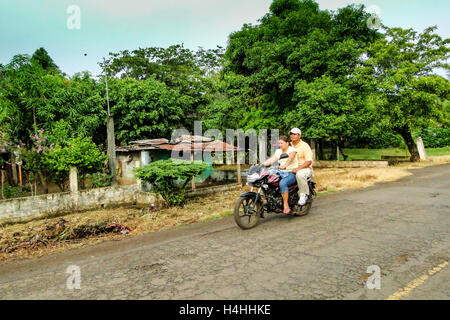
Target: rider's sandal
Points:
(286, 212)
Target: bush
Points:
(99, 179)
(78, 152)
(375, 138)
(14, 192)
(163, 174)
(435, 137)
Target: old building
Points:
(142, 152)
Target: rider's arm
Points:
(308, 157)
(271, 160)
(306, 164)
(289, 160)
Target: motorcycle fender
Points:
(251, 195)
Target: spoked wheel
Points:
(304, 210)
(246, 213)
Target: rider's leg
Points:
(287, 181)
(302, 177)
(285, 197)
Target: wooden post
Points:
(238, 167)
(14, 169)
(20, 174)
(111, 148)
(193, 178)
(3, 181)
(73, 180)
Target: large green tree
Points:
(73, 107)
(400, 73)
(230, 97)
(43, 59)
(34, 94)
(20, 95)
(144, 109)
(329, 110)
(177, 67)
(296, 41)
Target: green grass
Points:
(375, 154)
(218, 216)
(445, 151)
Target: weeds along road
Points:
(402, 227)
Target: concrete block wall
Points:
(349, 164)
(64, 202)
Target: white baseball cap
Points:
(296, 131)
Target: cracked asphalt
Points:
(403, 227)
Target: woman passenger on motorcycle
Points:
(287, 158)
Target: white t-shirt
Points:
(294, 162)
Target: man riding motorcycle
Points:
(304, 160)
(274, 188)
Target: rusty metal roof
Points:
(150, 141)
(193, 143)
(134, 148)
(188, 138)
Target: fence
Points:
(58, 203)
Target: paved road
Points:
(403, 227)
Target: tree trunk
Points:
(3, 182)
(43, 181)
(341, 149)
(320, 145)
(405, 132)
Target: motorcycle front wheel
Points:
(246, 213)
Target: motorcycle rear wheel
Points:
(305, 208)
(244, 216)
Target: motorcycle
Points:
(251, 206)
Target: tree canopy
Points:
(295, 43)
(399, 74)
(324, 71)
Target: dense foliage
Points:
(99, 179)
(144, 108)
(163, 175)
(33, 97)
(435, 137)
(294, 45)
(324, 71)
(79, 152)
(399, 75)
(182, 76)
